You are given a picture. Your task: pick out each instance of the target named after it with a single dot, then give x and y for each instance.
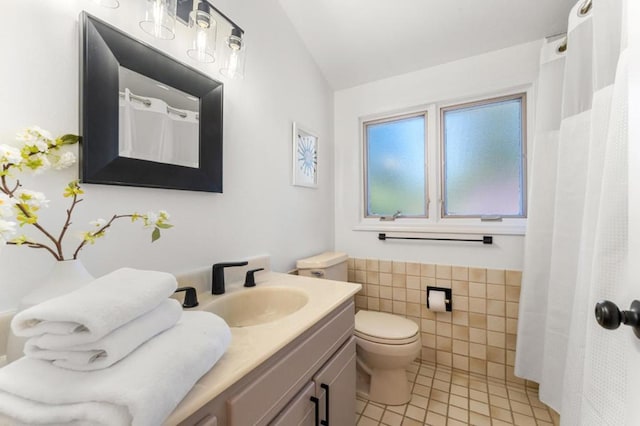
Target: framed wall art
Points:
(305, 158)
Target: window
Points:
(481, 173)
(395, 166)
(483, 153)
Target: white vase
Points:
(64, 277)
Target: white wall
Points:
(259, 211)
(482, 75)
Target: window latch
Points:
(491, 218)
(396, 215)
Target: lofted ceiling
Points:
(357, 41)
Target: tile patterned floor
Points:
(442, 397)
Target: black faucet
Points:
(217, 282)
(190, 297)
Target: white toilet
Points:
(385, 344)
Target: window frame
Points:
(450, 226)
(365, 146)
(523, 158)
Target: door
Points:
(336, 387)
(612, 358)
(300, 411)
(632, 286)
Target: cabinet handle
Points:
(316, 402)
(325, 422)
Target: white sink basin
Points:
(258, 305)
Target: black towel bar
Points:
(486, 239)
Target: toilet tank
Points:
(329, 265)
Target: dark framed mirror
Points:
(146, 119)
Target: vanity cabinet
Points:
(280, 390)
(328, 399)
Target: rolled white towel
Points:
(91, 312)
(142, 389)
(111, 348)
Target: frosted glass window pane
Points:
(483, 152)
(396, 167)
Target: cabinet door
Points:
(337, 378)
(300, 411)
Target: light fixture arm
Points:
(235, 26)
(186, 6)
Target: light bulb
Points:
(235, 59)
(204, 40)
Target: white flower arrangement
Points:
(38, 152)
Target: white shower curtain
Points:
(155, 131)
(568, 248)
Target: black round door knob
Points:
(610, 317)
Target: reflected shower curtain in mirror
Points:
(152, 130)
(576, 234)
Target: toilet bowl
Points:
(385, 346)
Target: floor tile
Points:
(434, 419)
(522, 420)
(373, 412)
(391, 419)
(415, 413)
(420, 401)
(400, 409)
(458, 413)
(410, 422)
(479, 419)
(365, 421)
(438, 407)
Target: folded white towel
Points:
(141, 389)
(91, 312)
(112, 347)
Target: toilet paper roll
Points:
(437, 301)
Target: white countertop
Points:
(250, 346)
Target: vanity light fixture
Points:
(200, 16)
(204, 34)
(235, 53)
(160, 18)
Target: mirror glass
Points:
(156, 122)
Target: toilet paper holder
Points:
(447, 296)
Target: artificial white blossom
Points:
(6, 206)
(7, 230)
(10, 155)
(44, 164)
(32, 199)
(37, 138)
(150, 219)
(63, 161)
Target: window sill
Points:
(501, 228)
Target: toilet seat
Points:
(384, 328)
